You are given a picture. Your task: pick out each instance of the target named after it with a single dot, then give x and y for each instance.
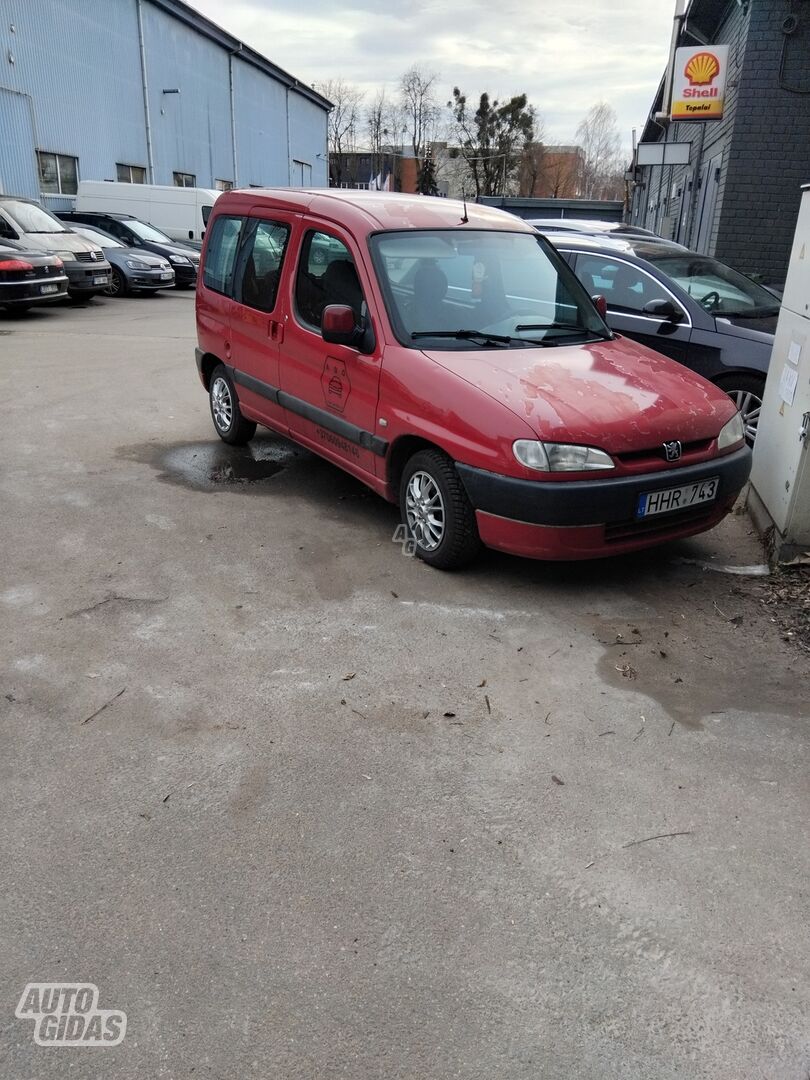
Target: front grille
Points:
(628, 530)
(97, 255)
(655, 454)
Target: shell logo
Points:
(702, 69)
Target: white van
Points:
(180, 212)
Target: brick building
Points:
(739, 196)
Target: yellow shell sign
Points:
(699, 83)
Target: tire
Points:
(746, 391)
(447, 535)
(230, 425)
(118, 284)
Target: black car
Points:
(691, 307)
(140, 234)
(29, 277)
(133, 269)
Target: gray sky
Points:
(565, 54)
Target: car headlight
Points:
(180, 260)
(560, 457)
(138, 264)
(66, 256)
(732, 433)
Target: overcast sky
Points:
(565, 54)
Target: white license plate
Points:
(167, 277)
(678, 498)
(100, 280)
(44, 289)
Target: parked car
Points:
(29, 277)
(179, 212)
(133, 270)
(132, 232)
(690, 307)
(585, 227)
(501, 410)
(24, 220)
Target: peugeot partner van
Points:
(450, 359)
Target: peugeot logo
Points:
(672, 450)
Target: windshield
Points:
(97, 237)
(148, 232)
(716, 287)
(450, 289)
(33, 219)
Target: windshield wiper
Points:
(479, 337)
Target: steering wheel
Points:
(711, 300)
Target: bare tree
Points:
(383, 125)
(598, 135)
(344, 120)
(420, 110)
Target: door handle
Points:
(275, 331)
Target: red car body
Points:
(369, 411)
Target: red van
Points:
(446, 356)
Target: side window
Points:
(260, 264)
(220, 255)
(624, 286)
(326, 275)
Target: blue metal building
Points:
(146, 91)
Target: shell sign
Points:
(699, 83)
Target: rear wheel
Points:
(438, 516)
(231, 426)
(746, 391)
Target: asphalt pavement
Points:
(301, 807)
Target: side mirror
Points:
(664, 309)
(338, 326)
(7, 231)
(600, 303)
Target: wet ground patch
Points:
(215, 466)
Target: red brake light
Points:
(15, 264)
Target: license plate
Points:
(678, 498)
(44, 289)
(167, 277)
(100, 280)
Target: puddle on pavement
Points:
(215, 466)
(694, 676)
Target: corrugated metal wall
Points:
(70, 83)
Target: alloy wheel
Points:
(221, 404)
(424, 511)
(750, 406)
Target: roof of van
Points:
(373, 210)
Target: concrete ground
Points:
(303, 807)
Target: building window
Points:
(130, 174)
(58, 173)
(184, 179)
(223, 185)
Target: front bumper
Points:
(582, 519)
(87, 278)
(149, 279)
(185, 275)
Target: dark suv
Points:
(691, 307)
(140, 234)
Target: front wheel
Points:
(746, 391)
(231, 426)
(438, 516)
(118, 285)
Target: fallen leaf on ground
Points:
(627, 671)
(351, 675)
(557, 780)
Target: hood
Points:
(172, 249)
(121, 254)
(60, 241)
(616, 395)
(761, 330)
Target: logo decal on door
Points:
(335, 383)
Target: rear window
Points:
(220, 255)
